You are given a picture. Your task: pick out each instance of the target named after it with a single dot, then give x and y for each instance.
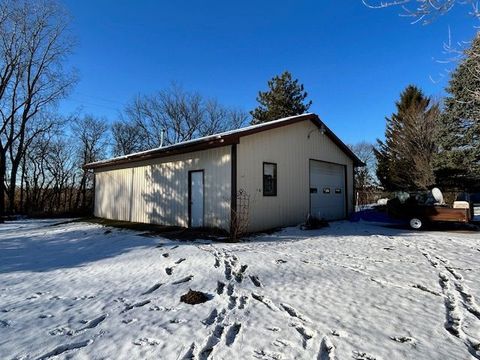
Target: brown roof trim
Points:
(356, 160)
(223, 139)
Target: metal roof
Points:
(222, 139)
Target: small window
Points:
(269, 179)
(338, 191)
(326, 190)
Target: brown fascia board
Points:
(228, 138)
(160, 153)
(356, 160)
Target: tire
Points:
(416, 223)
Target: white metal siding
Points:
(156, 191)
(290, 147)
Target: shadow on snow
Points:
(45, 247)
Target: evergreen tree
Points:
(458, 164)
(405, 159)
(285, 97)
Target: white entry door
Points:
(327, 190)
(196, 202)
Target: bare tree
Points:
(127, 138)
(91, 134)
(177, 112)
(172, 115)
(218, 118)
(365, 179)
(34, 42)
(425, 11)
(49, 174)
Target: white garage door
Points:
(327, 190)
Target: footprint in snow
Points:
(177, 321)
(357, 355)
(255, 280)
(45, 316)
(243, 302)
(294, 312)
(232, 333)
(327, 349)
(404, 339)
(190, 354)
(59, 350)
(4, 323)
(61, 331)
(232, 302)
(282, 343)
(183, 280)
(425, 289)
(239, 274)
(267, 302)
(220, 287)
(228, 270)
(469, 300)
(339, 333)
(32, 297)
(169, 270)
(95, 322)
(281, 261)
(306, 333)
(273, 329)
(212, 341)
(267, 355)
(146, 341)
(136, 305)
(84, 297)
(165, 255)
(210, 320)
(149, 291)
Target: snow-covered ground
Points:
(350, 291)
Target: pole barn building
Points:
(288, 168)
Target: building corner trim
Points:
(233, 180)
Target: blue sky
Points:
(353, 61)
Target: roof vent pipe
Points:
(162, 137)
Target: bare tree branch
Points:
(425, 11)
(175, 114)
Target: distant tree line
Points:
(42, 153)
